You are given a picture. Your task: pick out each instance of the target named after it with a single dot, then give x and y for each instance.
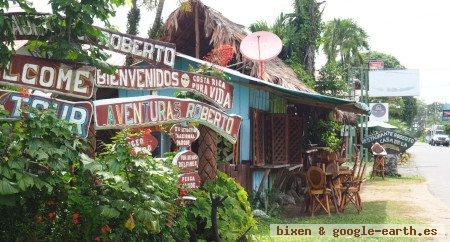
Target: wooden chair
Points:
(378, 166)
(319, 194)
(350, 193)
(335, 184)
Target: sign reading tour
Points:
(147, 111)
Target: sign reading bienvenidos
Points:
(78, 113)
(215, 90)
(53, 76)
(151, 110)
(392, 141)
(161, 53)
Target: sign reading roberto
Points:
(78, 113)
(146, 111)
(215, 90)
(392, 142)
(63, 78)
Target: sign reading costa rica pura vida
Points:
(59, 77)
(393, 142)
(157, 52)
(213, 89)
(151, 110)
(78, 113)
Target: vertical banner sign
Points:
(147, 111)
(78, 113)
(187, 161)
(446, 112)
(53, 76)
(219, 92)
(143, 144)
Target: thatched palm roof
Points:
(216, 30)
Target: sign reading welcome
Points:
(78, 113)
(150, 110)
(393, 142)
(53, 76)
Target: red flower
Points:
(221, 55)
(183, 192)
(76, 217)
(97, 181)
(51, 215)
(97, 238)
(105, 229)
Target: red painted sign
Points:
(183, 135)
(146, 111)
(186, 160)
(376, 65)
(213, 89)
(190, 180)
(160, 53)
(53, 76)
(78, 113)
(143, 144)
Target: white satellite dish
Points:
(261, 46)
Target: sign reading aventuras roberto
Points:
(215, 90)
(392, 141)
(78, 113)
(63, 78)
(151, 110)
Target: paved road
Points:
(434, 164)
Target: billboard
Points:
(446, 112)
(394, 83)
(379, 112)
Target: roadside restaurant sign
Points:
(186, 160)
(78, 113)
(47, 75)
(215, 90)
(392, 142)
(161, 53)
(446, 112)
(144, 143)
(191, 180)
(184, 135)
(146, 111)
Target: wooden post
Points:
(197, 31)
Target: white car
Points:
(440, 139)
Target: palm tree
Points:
(345, 40)
(156, 30)
(134, 15)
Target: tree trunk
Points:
(197, 32)
(207, 152)
(155, 31)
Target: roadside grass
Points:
(374, 212)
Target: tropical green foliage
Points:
(447, 128)
(343, 40)
(259, 26)
(331, 80)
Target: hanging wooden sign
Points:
(186, 160)
(143, 144)
(213, 89)
(191, 180)
(157, 52)
(78, 113)
(391, 141)
(47, 75)
(146, 111)
(184, 135)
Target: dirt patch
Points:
(423, 205)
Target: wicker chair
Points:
(319, 195)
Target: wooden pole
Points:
(197, 31)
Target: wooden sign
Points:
(143, 144)
(186, 160)
(146, 111)
(53, 76)
(213, 89)
(78, 113)
(160, 53)
(184, 135)
(391, 141)
(190, 180)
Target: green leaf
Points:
(7, 187)
(109, 212)
(24, 182)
